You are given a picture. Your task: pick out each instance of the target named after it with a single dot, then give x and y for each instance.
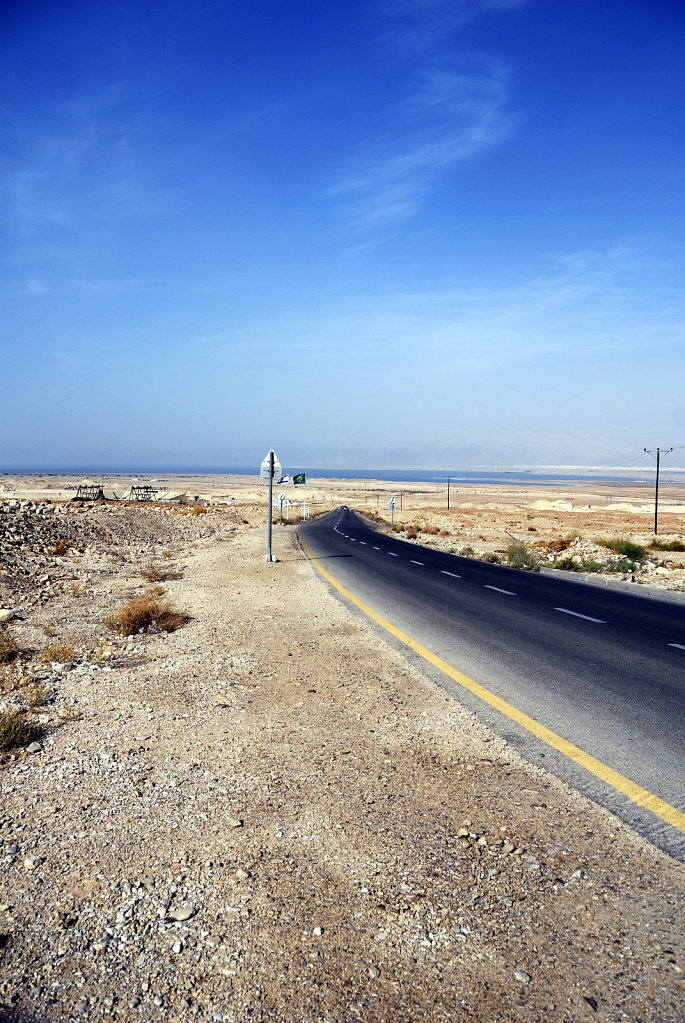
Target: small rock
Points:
(508, 847)
(6, 614)
(35, 747)
(31, 862)
(182, 912)
(242, 874)
(134, 1003)
(592, 1002)
(234, 822)
(522, 976)
(317, 932)
(374, 972)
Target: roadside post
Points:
(269, 468)
(281, 502)
(392, 504)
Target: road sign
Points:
(392, 504)
(264, 469)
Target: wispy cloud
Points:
(417, 24)
(72, 167)
(34, 286)
(588, 310)
(449, 116)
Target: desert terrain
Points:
(251, 808)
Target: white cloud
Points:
(419, 24)
(450, 116)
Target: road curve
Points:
(600, 669)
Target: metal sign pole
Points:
(271, 491)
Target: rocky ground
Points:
(269, 815)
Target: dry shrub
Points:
(144, 613)
(60, 547)
(8, 646)
(189, 510)
(152, 572)
(667, 545)
(412, 532)
(15, 730)
(36, 696)
(59, 652)
(157, 573)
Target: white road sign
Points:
(392, 504)
(264, 468)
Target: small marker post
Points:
(392, 504)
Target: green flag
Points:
(299, 478)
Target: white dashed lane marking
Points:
(678, 646)
(497, 589)
(576, 614)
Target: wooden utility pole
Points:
(657, 454)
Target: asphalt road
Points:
(601, 668)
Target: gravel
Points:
(270, 815)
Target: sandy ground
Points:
(484, 518)
(269, 815)
(373, 495)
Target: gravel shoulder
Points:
(270, 815)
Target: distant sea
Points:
(495, 476)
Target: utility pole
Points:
(448, 490)
(657, 454)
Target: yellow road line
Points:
(602, 771)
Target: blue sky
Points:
(374, 233)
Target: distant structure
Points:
(89, 491)
(143, 492)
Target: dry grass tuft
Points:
(145, 613)
(60, 547)
(157, 573)
(199, 509)
(15, 730)
(37, 696)
(8, 646)
(59, 652)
